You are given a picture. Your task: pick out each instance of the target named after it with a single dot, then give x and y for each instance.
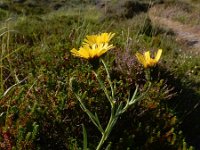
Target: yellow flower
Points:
(98, 39)
(91, 51)
(146, 60)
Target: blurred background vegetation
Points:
(39, 111)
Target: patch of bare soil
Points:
(186, 34)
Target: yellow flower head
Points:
(91, 51)
(98, 39)
(94, 46)
(146, 60)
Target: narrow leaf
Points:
(84, 138)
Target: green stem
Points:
(111, 123)
(104, 89)
(93, 118)
(116, 109)
(148, 74)
(108, 77)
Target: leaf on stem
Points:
(84, 138)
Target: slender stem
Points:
(93, 118)
(111, 123)
(105, 90)
(116, 109)
(113, 117)
(129, 102)
(1, 66)
(108, 76)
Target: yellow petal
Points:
(152, 62)
(141, 59)
(94, 46)
(90, 39)
(98, 39)
(147, 57)
(104, 48)
(102, 51)
(93, 52)
(158, 55)
(111, 35)
(74, 52)
(107, 37)
(84, 52)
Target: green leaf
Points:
(98, 122)
(108, 146)
(84, 138)
(35, 130)
(28, 136)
